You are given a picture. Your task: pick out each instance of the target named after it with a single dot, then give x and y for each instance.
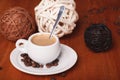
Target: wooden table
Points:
(90, 65)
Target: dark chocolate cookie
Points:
(98, 37)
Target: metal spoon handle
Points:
(57, 20)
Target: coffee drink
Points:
(43, 40)
(40, 48)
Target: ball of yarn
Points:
(16, 23)
(46, 13)
(98, 37)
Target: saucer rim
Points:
(22, 69)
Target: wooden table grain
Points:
(90, 65)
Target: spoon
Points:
(57, 20)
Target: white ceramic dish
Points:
(67, 59)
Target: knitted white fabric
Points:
(46, 13)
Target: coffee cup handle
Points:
(21, 45)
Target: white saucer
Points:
(67, 59)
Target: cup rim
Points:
(29, 39)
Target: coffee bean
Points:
(101, 10)
(28, 64)
(0, 68)
(119, 31)
(22, 60)
(62, 74)
(92, 11)
(53, 78)
(54, 63)
(97, 10)
(48, 65)
(117, 23)
(28, 60)
(85, 16)
(115, 8)
(24, 54)
(35, 65)
(41, 66)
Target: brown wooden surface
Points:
(90, 66)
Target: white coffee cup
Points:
(40, 54)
